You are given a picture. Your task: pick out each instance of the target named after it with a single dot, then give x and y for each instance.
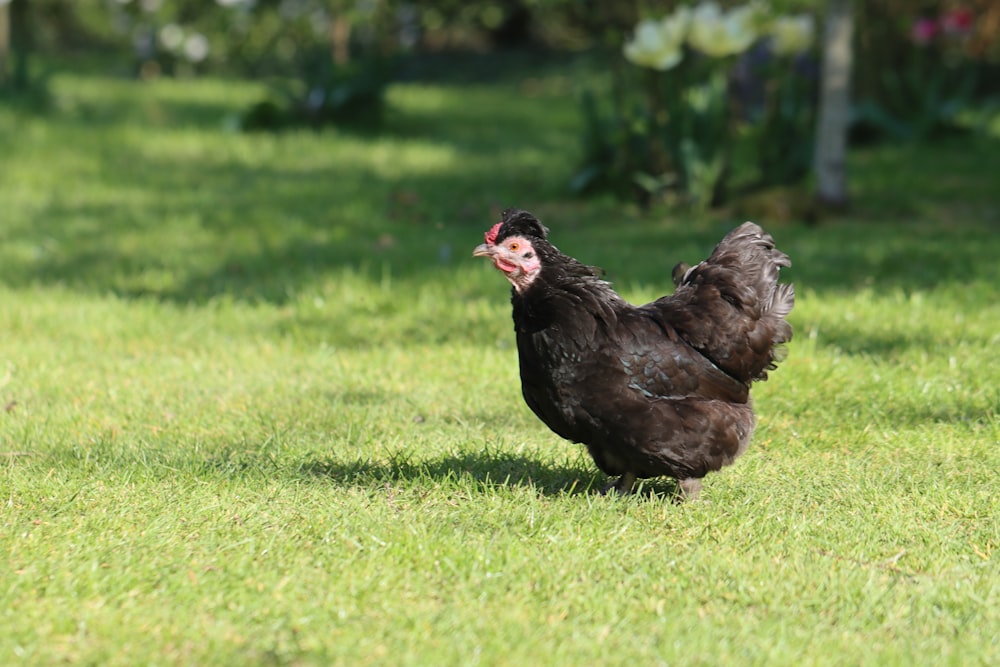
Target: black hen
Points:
(659, 389)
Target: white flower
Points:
(792, 34)
(675, 26)
(659, 44)
(171, 37)
(718, 33)
(196, 47)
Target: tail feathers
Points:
(749, 254)
(780, 331)
(731, 306)
(781, 302)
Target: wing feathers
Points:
(731, 307)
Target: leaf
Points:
(647, 182)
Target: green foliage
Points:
(697, 128)
(781, 139)
(351, 95)
(917, 105)
(922, 70)
(258, 406)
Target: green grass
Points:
(263, 408)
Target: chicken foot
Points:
(621, 486)
(689, 488)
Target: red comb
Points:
(491, 236)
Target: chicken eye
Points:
(515, 246)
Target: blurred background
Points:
(662, 116)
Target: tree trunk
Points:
(4, 41)
(20, 42)
(340, 40)
(830, 161)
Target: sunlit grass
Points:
(260, 406)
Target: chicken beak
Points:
(484, 250)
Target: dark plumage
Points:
(659, 389)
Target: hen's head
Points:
(515, 246)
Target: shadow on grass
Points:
(938, 405)
(482, 471)
(200, 221)
(856, 341)
(486, 469)
(188, 218)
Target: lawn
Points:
(260, 406)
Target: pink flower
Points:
(923, 31)
(957, 22)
